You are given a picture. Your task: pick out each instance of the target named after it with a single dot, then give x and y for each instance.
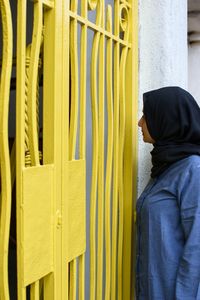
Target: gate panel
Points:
(113, 95)
(38, 231)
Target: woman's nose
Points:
(140, 122)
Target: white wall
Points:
(194, 70)
(162, 58)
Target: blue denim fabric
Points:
(168, 234)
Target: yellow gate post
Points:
(39, 185)
(5, 189)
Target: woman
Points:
(168, 211)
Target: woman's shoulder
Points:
(175, 176)
(182, 169)
(190, 162)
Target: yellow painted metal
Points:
(43, 212)
(98, 28)
(60, 200)
(37, 243)
(76, 207)
(73, 120)
(20, 136)
(117, 129)
(73, 274)
(48, 3)
(65, 147)
(5, 196)
(124, 24)
(101, 87)
(95, 155)
(32, 84)
(49, 139)
(130, 151)
(35, 291)
(82, 145)
(74, 84)
(115, 155)
(83, 74)
(109, 80)
(13, 163)
(81, 287)
(52, 140)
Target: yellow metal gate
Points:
(75, 64)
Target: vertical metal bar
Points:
(34, 293)
(83, 72)
(101, 159)
(94, 167)
(27, 148)
(124, 21)
(20, 136)
(81, 277)
(73, 120)
(65, 144)
(109, 80)
(5, 201)
(82, 145)
(95, 143)
(74, 84)
(95, 154)
(72, 289)
(32, 103)
(13, 163)
(115, 154)
(121, 161)
(49, 139)
(32, 83)
(52, 135)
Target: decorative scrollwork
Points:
(92, 4)
(97, 5)
(123, 17)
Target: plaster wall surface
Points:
(194, 70)
(162, 59)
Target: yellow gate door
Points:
(76, 116)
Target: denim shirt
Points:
(168, 234)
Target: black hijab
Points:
(173, 120)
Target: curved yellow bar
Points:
(109, 80)
(101, 97)
(115, 154)
(95, 143)
(4, 147)
(82, 144)
(125, 29)
(74, 89)
(95, 150)
(32, 84)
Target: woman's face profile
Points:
(145, 132)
